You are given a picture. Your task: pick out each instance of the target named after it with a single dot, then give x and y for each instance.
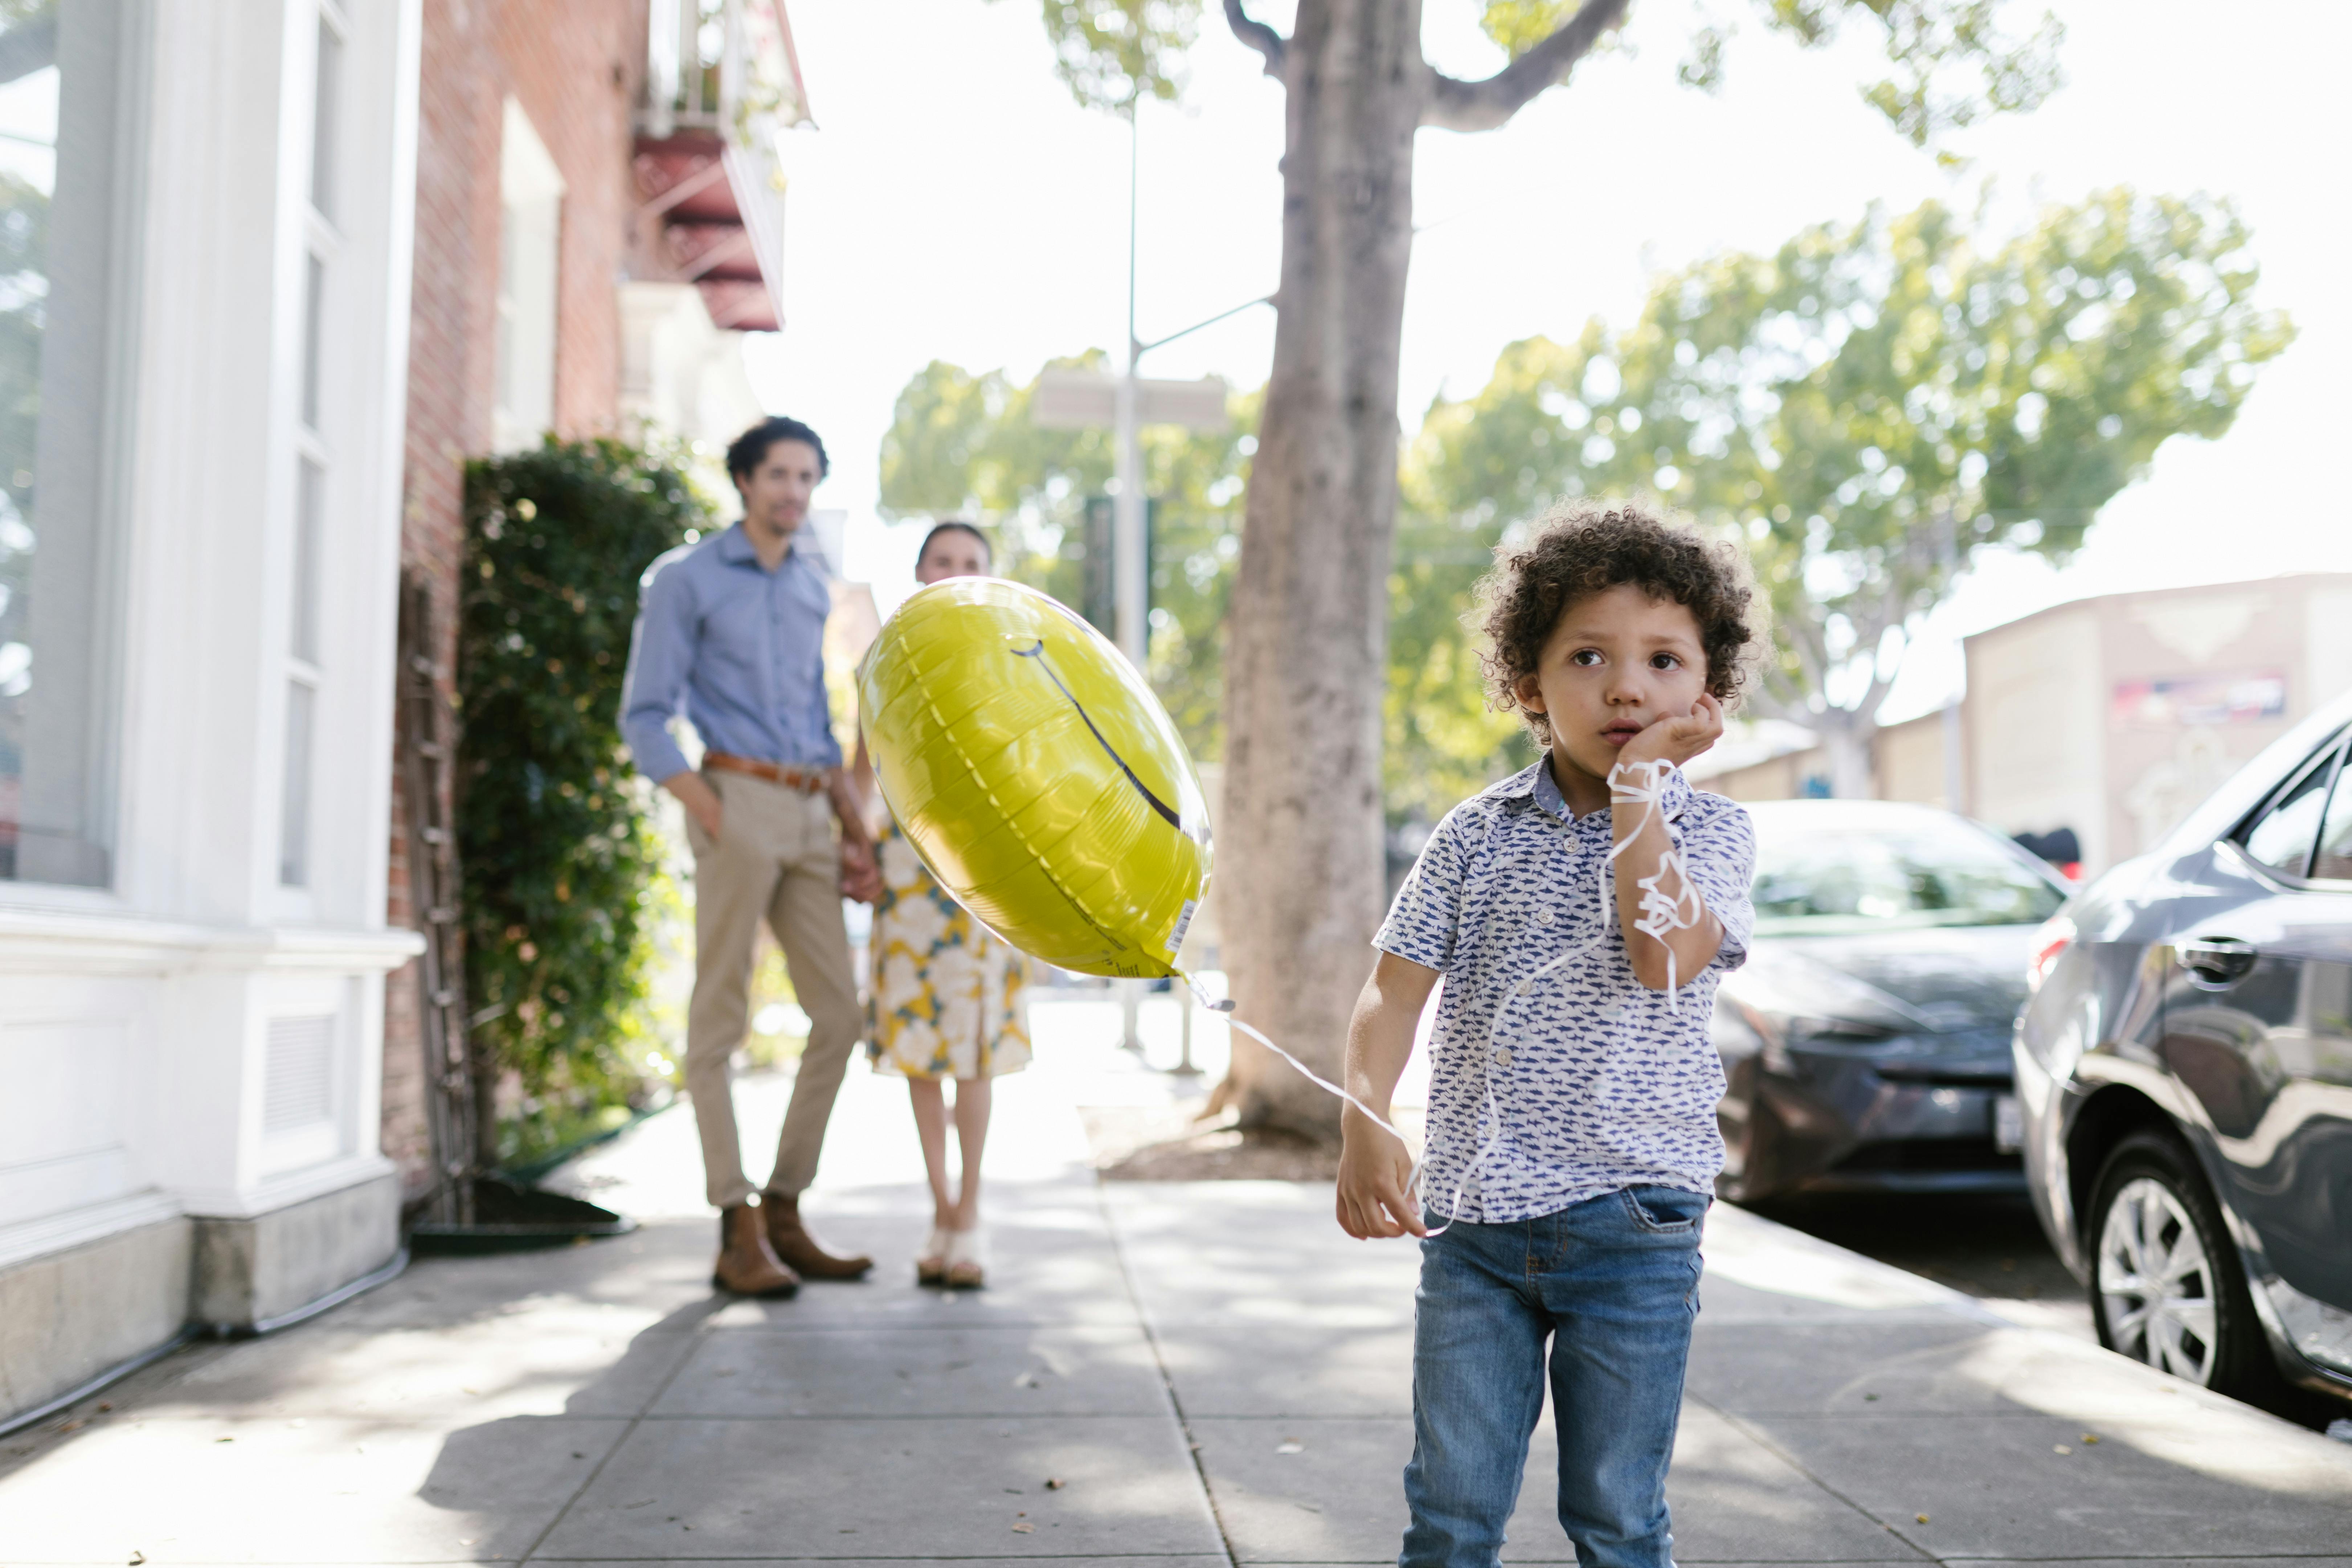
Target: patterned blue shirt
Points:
(1598, 1082)
(740, 647)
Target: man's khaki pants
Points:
(776, 858)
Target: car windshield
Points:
(1918, 870)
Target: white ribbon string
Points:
(1659, 913)
(1413, 1178)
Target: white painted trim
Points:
(32, 1238)
(76, 942)
(286, 1189)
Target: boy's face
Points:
(1616, 663)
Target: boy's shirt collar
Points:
(1535, 782)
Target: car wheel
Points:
(2167, 1285)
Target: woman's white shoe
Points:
(931, 1263)
(968, 1258)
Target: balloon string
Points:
(1659, 913)
(1413, 1178)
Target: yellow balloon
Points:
(1037, 776)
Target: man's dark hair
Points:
(749, 450)
(1589, 547)
(954, 525)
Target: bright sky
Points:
(955, 204)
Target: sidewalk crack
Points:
(596, 1469)
(1771, 1445)
(1167, 1382)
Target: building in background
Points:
(231, 425)
(203, 337)
(2109, 718)
(2115, 716)
(592, 241)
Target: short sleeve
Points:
(1427, 914)
(1718, 847)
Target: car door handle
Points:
(2219, 959)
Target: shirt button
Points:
(1503, 1056)
(1543, 917)
(1525, 989)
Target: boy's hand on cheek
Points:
(1677, 738)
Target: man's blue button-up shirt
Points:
(739, 647)
(1556, 1075)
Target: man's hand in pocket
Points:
(702, 801)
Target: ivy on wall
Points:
(554, 829)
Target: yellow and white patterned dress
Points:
(946, 997)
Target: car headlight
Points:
(1777, 1031)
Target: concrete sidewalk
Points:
(1210, 1372)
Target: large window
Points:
(304, 673)
(531, 226)
(60, 102)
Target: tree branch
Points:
(1807, 641)
(1772, 698)
(1457, 105)
(1257, 36)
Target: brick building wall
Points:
(574, 65)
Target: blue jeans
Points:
(1613, 1283)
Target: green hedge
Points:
(558, 850)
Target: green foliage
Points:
(1952, 62)
(1872, 390)
(963, 445)
(555, 839)
(1519, 26)
(1442, 742)
(1110, 53)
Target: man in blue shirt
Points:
(730, 630)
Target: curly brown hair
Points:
(1587, 547)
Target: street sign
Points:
(1080, 399)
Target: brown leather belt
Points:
(808, 781)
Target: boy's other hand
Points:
(1373, 1170)
(1677, 738)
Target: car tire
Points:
(2182, 1309)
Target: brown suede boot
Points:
(747, 1265)
(797, 1248)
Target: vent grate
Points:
(298, 1079)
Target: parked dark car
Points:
(2185, 1072)
(1866, 1041)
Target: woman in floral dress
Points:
(946, 998)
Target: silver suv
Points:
(2184, 1070)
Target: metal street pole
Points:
(1130, 594)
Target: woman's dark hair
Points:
(954, 525)
(1589, 547)
(749, 450)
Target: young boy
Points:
(1572, 1142)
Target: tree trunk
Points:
(1308, 631)
(1846, 745)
